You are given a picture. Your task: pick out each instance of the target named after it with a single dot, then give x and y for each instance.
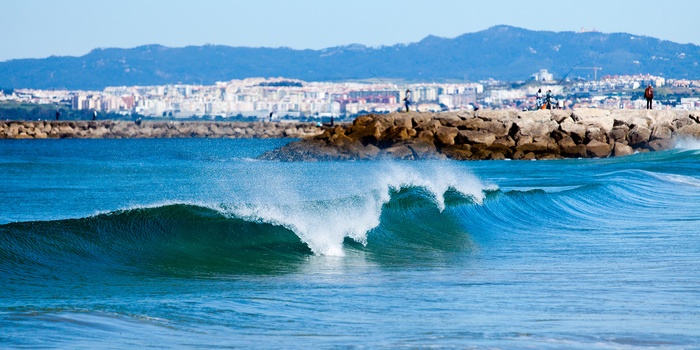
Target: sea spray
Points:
(324, 223)
(688, 143)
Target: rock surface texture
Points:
(172, 129)
(481, 135)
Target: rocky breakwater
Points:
(481, 135)
(128, 129)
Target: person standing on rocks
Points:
(538, 99)
(94, 115)
(58, 114)
(407, 100)
(649, 95)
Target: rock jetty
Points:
(170, 129)
(485, 134)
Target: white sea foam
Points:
(687, 143)
(323, 223)
(678, 179)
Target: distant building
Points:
(543, 76)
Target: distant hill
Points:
(500, 52)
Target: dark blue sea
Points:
(194, 243)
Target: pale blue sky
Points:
(41, 28)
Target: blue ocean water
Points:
(195, 243)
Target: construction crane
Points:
(595, 71)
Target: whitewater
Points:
(197, 243)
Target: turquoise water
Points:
(194, 243)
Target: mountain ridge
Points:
(500, 52)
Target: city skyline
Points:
(42, 28)
(281, 97)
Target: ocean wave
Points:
(406, 214)
(402, 211)
(324, 224)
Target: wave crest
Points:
(213, 238)
(323, 225)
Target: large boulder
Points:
(639, 136)
(386, 121)
(369, 133)
(569, 148)
(535, 128)
(505, 141)
(621, 149)
(432, 126)
(404, 120)
(595, 133)
(541, 116)
(631, 118)
(445, 136)
(580, 114)
(559, 115)
(599, 118)
(490, 115)
(497, 128)
(426, 135)
(423, 149)
(575, 130)
(420, 119)
(449, 120)
(500, 147)
(396, 134)
(619, 133)
(661, 144)
(458, 152)
(65, 131)
(690, 131)
(363, 120)
(476, 137)
(684, 121)
(662, 130)
(667, 117)
(539, 145)
(598, 149)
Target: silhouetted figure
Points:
(407, 100)
(94, 115)
(331, 120)
(270, 116)
(58, 115)
(649, 95)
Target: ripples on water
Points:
(194, 243)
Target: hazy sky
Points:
(41, 28)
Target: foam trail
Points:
(323, 224)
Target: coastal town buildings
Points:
(288, 98)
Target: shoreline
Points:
(151, 129)
(462, 135)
